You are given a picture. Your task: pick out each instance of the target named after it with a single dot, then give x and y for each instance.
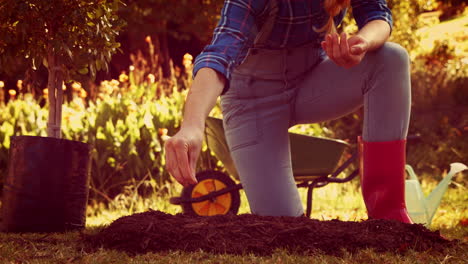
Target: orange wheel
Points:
(208, 182)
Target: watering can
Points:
(420, 208)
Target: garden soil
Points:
(155, 231)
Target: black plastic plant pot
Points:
(47, 185)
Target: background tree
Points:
(69, 37)
(163, 20)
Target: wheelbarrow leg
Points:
(309, 201)
(310, 191)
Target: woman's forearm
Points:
(376, 32)
(202, 96)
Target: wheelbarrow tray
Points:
(311, 156)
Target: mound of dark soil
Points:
(239, 234)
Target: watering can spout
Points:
(422, 209)
(434, 198)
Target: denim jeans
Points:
(273, 90)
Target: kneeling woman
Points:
(278, 63)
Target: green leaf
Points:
(92, 69)
(100, 134)
(83, 71)
(98, 65)
(8, 131)
(68, 51)
(99, 12)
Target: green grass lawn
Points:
(342, 201)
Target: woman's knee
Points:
(393, 55)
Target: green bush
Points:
(439, 78)
(443, 139)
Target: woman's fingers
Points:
(338, 57)
(358, 45)
(182, 152)
(344, 48)
(324, 45)
(181, 160)
(329, 49)
(345, 52)
(337, 49)
(356, 50)
(171, 162)
(194, 152)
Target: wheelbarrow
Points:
(314, 163)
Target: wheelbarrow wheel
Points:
(208, 182)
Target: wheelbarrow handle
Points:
(180, 200)
(345, 165)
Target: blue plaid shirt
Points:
(241, 20)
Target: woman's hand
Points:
(343, 51)
(182, 151)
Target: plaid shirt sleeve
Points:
(365, 11)
(234, 32)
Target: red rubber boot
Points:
(382, 171)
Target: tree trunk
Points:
(55, 95)
(165, 58)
